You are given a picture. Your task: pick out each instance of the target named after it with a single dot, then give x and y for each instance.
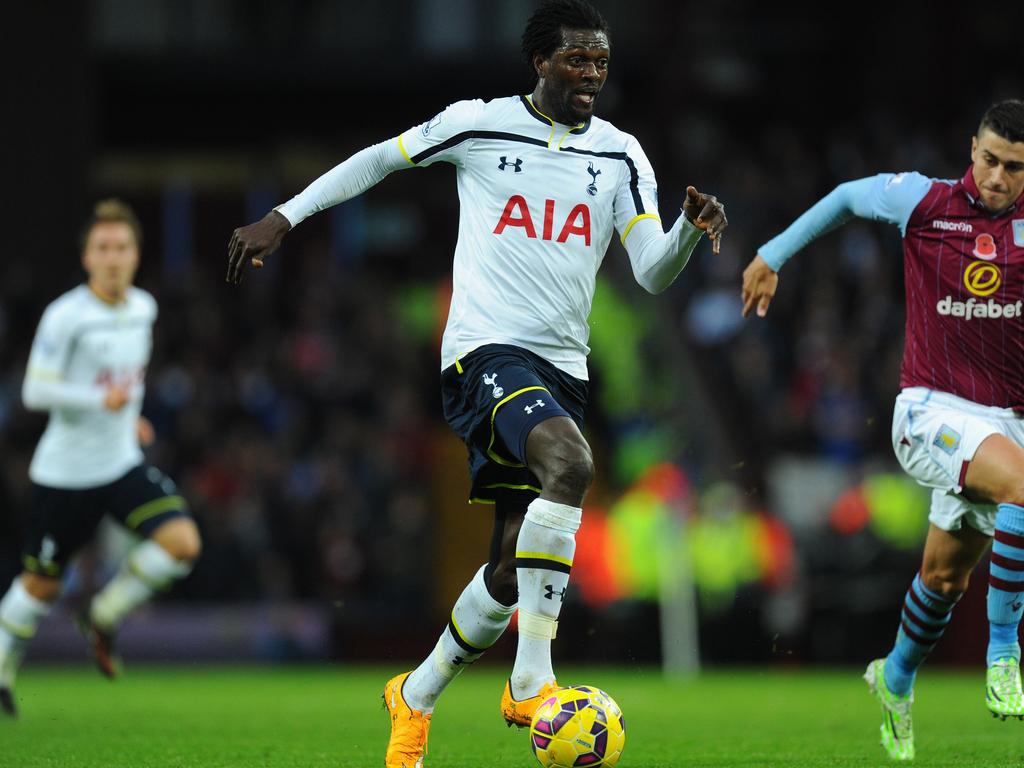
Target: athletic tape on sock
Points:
(537, 627)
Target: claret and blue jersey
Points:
(964, 277)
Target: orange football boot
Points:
(409, 728)
(520, 713)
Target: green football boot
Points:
(897, 729)
(1003, 695)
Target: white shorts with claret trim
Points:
(935, 436)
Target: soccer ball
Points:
(578, 726)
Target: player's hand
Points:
(146, 433)
(116, 397)
(705, 212)
(254, 243)
(759, 285)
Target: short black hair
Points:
(1005, 118)
(543, 33)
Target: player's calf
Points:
(147, 570)
(20, 614)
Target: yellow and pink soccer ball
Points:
(578, 726)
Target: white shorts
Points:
(935, 436)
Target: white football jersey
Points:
(538, 203)
(82, 346)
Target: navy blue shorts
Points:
(492, 398)
(63, 520)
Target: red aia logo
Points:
(517, 214)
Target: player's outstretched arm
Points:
(253, 243)
(886, 197)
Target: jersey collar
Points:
(973, 195)
(538, 115)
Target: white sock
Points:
(544, 553)
(146, 570)
(476, 624)
(20, 614)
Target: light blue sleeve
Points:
(890, 197)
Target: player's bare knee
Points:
(180, 539)
(569, 472)
(43, 588)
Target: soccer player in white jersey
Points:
(543, 184)
(957, 425)
(87, 370)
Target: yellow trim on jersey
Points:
(552, 134)
(475, 500)
(405, 154)
(551, 137)
(567, 135)
(529, 98)
(544, 556)
(495, 457)
(634, 220)
(153, 508)
(44, 373)
(458, 365)
(21, 632)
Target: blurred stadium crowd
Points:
(301, 413)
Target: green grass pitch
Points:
(210, 717)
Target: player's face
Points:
(998, 169)
(572, 78)
(110, 258)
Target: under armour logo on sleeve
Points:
(530, 408)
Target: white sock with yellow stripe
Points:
(476, 623)
(544, 552)
(148, 569)
(20, 614)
